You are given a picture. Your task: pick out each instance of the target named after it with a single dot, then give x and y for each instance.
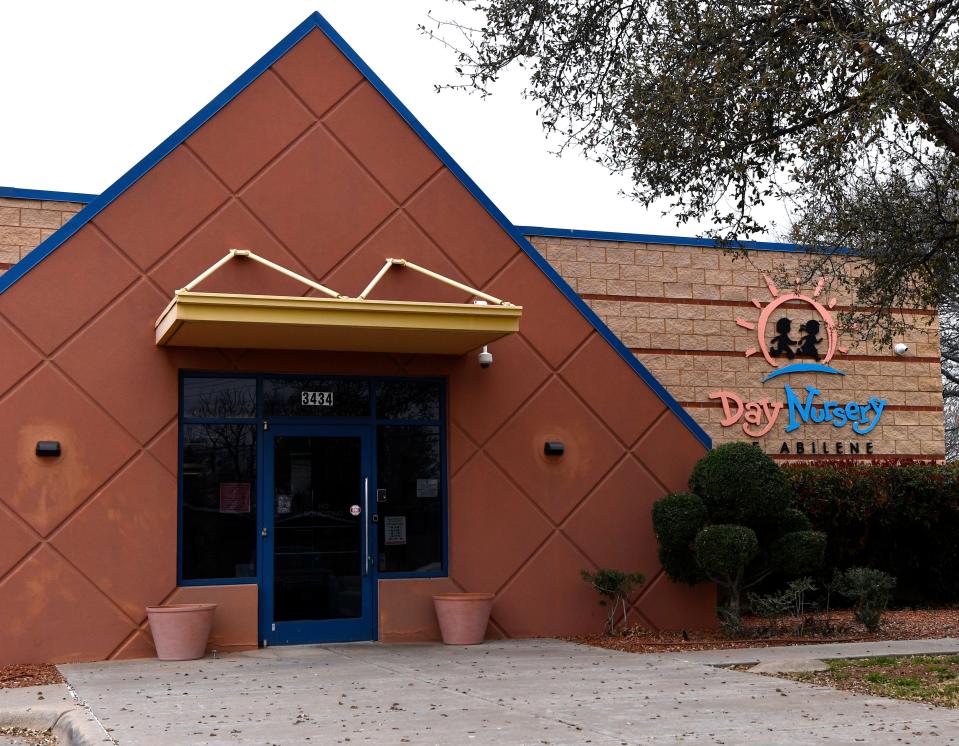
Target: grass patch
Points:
(932, 679)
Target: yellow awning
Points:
(344, 324)
(337, 322)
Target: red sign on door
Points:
(234, 497)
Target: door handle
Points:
(263, 531)
(366, 522)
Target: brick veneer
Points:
(676, 307)
(24, 223)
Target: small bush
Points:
(869, 590)
(614, 587)
(791, 600)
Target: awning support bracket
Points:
(429, 273)
(247, 254)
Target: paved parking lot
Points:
(518, 692)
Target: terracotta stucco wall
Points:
(24, 223)
(311, 168)
(676, 308)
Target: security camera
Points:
(485, 358)
(901, 348)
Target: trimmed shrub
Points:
(737, 528)
(724, 550)
(738, 483)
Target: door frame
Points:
(363, 628)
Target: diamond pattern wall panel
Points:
(233, 227)
(318, 72)
(548, 597)
(318, 201)
(18, 357)
(68, 298)
(47, 407)
(626, 543)
(251, 130)
(162, 207)
(485, 399)
(124, 539)
(495, 525)
(555, 484)
(398, 237)
(597, 361)
(462, 228)
(60, 615)
(310, 168)
(375, 134)
(18, 539)
(136, 381)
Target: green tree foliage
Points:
(737, 527)
(845, 111)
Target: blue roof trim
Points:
(45, 194)
(315, 20)
(85, 215)
(615, 342)
(709, 243)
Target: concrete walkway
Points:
(520, 692)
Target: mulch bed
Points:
(28, 736)
(897, 625)
(29, 674)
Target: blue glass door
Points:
(316, 527)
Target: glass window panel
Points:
(408, 400)
(409, 498)
(219, 398)
(315, 397)
(219, 501)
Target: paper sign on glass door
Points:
(394, 530)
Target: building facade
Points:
(218, 385)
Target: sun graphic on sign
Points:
(782, 344)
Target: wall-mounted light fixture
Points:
(48, 448)
(554, 448)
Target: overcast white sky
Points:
(91, 87)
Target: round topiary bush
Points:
(739, 483)
(737, 527)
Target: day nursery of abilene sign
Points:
(297, 364)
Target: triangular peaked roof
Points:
(316, 22)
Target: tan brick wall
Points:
(24, 223)
(676, 308)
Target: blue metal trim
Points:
(217, 581)
(709, 243)
(45, 194)
(504, 223)
(316, 21)
(328, 630)
(413, 575)
(156, 155)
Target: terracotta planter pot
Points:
(180, 631)
(463, 616)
